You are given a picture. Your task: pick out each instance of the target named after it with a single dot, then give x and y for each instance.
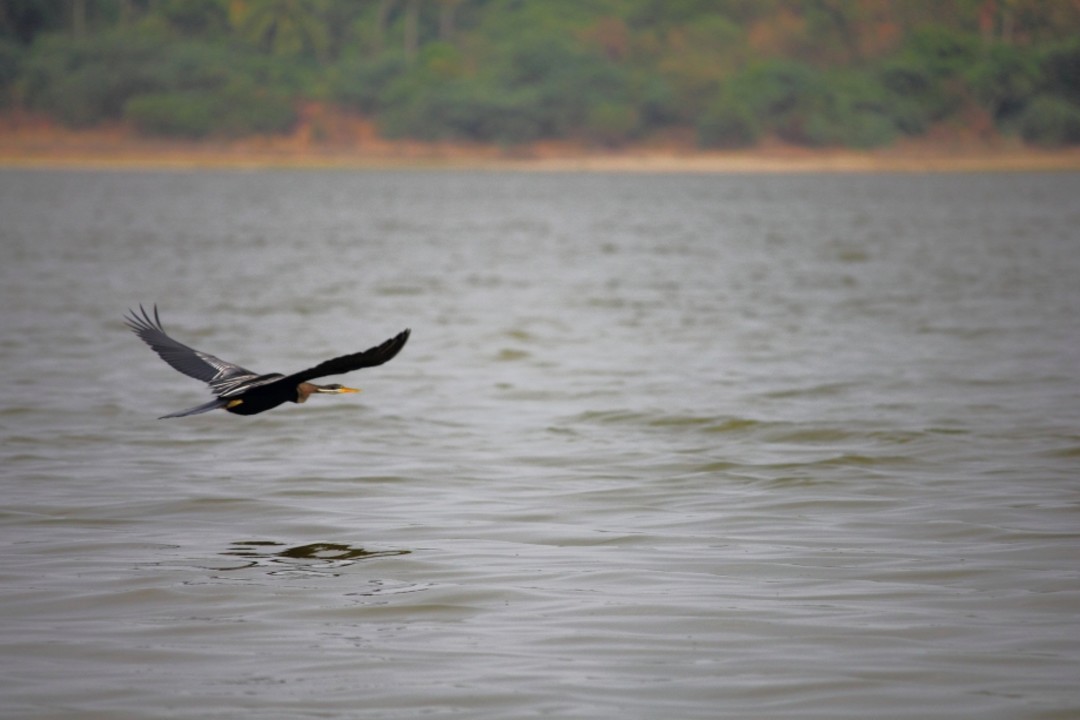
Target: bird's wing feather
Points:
(239, 385)
(347, 363)
(219, 374)
(205, 407)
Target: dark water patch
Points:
(268, 549)
(1069, 452)
(664, 419)
(610, 417)
(522, 335)
(851, 460)
(511, 355)
(322, 486)
(317, 558)
(809, 434)
(681, 421)
(811, 391)
(733, 425)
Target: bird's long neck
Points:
(304, 391)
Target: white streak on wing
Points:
(239, 384)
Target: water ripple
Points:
(660, 446)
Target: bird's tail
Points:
(205, 407)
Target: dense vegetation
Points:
(812, 72)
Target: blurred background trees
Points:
(726, 72)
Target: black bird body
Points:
(260, 398)
(241, 391)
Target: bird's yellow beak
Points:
(348, 390)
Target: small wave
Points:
(1072, 451)
(380, 588)
(510, 355)
(706, 423)
(822, 390)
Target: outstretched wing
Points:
(222, 376)
(347, 363)
(205, 407)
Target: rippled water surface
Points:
(660, 447)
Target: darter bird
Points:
(241, 391)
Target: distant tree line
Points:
(811, 72)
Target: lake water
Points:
(661, 446)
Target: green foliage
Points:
(1050, 121)
(23, 20)
(186, 89)
(239, 109)
(700, 56)
(465, 109)
(1004, 81)
(849, 109)
(942, 52)
(247, 108)
(10, 61)
(285, 28)
(656, 103)
(85, 82)
(510, 71)
(611, 122)
(1060, 69)
(800, 105)
(195, 18)
(359, 83)
(918, 96)
(544, 86)
(728, 123)
(779, 94)
(188, 114)
(776, 88)
(561, 81)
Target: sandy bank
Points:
(39, 143)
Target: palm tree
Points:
(78, 18)
(447, 8)
(382, 19)
(283, 27)
(412, 29)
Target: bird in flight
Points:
(242, 391)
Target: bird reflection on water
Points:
(314, 557)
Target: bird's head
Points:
(306, 389)
(334, 389)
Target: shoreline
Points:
(45, 146)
